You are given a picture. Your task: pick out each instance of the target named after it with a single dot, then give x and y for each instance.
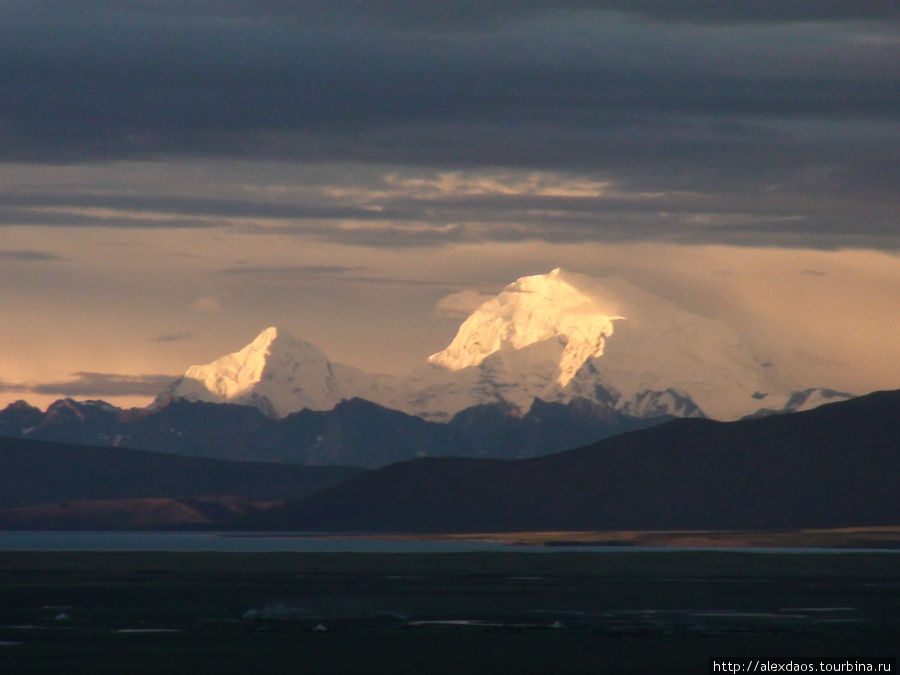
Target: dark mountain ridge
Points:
(36, 472)
(837, 465)
(355, 432)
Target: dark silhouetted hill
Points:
(39, 472)
(837, 465)
(355, 432)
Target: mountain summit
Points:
(276, 373)
(529, 311)
(562, 335)
(557, 337)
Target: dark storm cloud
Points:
(757, 11)
(761, 107)
(96, 384)
(93, 85)
(452, 14)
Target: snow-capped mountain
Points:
(558, 337)
(561, 335)
(530, 311)
(278, 374)
(663, 351)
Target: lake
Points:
(246, 542)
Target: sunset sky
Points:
(177, 176)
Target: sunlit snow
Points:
(555, 336)
(529, 311)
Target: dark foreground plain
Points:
(618, 612)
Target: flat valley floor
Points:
(505, 612)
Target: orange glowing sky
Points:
(173, 181)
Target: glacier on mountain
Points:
(557, 337)
(533, 310)
(276, 373)
(562, 335)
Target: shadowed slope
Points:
(833, 466)
(38, 472)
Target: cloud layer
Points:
(656, 96)
(84, 384)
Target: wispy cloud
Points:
(207, 304)
(172, 337)
(29, 256)
(292, 272)
(331, 273)
(459, 305)
(62, 217)
(110, 204)
(385, 207)
(95, 384)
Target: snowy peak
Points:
(233, 374)
(278, 374)
(604, 339)
(531, 310)
(236, 374)
(664, 346)
(275, 372)
(558, 337)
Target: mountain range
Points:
(355, 432)
(835, 466)
(552, 362)
(35, 472)
(556, 337)
(675, 422)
